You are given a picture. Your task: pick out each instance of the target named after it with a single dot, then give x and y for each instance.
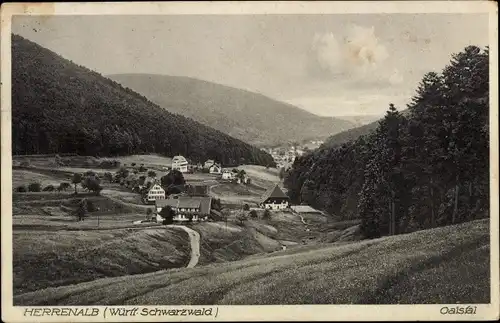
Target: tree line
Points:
(60, 107)
(425, 168)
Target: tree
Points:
(34, 187)
(149, 212)
(253, 214)
(77, 179)
(92, 183)
(21, 189)
(174, 177)
(151, 174)
(246, 207)
(82, 210)
(108, 177)
(123, 172)
(267, 214)
(64, 186)
(167, 214)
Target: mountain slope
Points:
(242, 114)
(58, 106)
(381, 271)
(354, 133)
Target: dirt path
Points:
(302, 219)
(194, 239)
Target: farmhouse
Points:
(215, 169)
(180, 163)
(275, 199)
(155, 193)
(186, 207)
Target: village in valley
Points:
(160, 171)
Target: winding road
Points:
(194, 239)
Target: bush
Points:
(253, 214)
(34, 187)
(246, 207)
(49, 188)
(64, 186)
(21, 189)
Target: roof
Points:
(304, 209)
(274, 192)
(179, 159)
(187, 202)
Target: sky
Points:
(330, 65)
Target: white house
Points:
(215, 169)
(156, 192)
(196, 208)
(180, 163)
(275, 199)
(227, 175)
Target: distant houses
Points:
(275, 199)
(180, 163)
(186, 208)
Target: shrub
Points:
(34, 187)
(246, 207)
(253, 214)
(64, 186)
(21, 189)
(49, 188)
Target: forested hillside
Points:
(346, 136)
(249, 116)
(60, 107)
(425, 168)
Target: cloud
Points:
(357, 55)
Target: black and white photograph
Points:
(211, 159)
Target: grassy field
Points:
(147, 160)
(46, 258)
(442, 265)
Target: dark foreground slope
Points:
(249, 116)
(58, 106)
(446, 265)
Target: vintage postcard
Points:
(249, 161)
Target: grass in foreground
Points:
(412, 268)
(44, 259)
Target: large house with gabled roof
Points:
(180, 163)
(195, 208)
(275, 199)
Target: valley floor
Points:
(442, 265)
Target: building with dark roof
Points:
(186, 207)
(275, 199)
